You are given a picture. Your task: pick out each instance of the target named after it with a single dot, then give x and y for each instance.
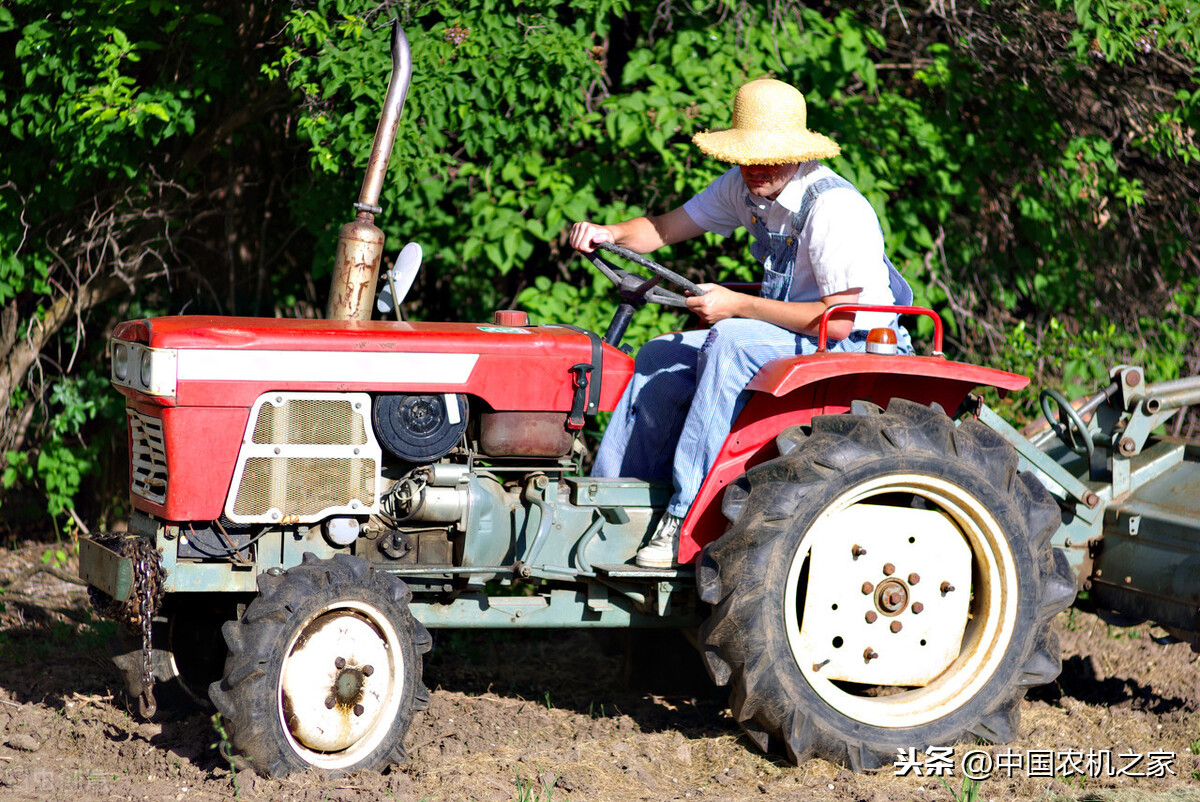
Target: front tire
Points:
(886, 583)
(324, 670)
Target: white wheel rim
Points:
(347, 654)
(993, 609)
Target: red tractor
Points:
(868, 566)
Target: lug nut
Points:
(359, 710)
(871, 616)
(339, 663)
(947, 588)
(857, 551)
(917, 607)
(867, 588)
(368, 670)
(889, 569)
(330, 702)
(914, 579)
(869, 654)
(896, 626)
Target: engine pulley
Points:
(420, 428)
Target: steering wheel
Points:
(1068, 425)
(637, 289)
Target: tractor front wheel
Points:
(324, 670)
(887, 583)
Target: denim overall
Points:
(777, 252)
(676, 413)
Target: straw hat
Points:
(770, 126)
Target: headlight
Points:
(120, 361)
(144, 369)
(145, 374)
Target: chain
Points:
(144, 581)
(137, 613)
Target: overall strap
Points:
(901, 291)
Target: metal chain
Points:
(137, 613)
(144, 581)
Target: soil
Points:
(557, 715)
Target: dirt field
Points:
(553, 716)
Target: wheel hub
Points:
(891, 597)
(868, 617)
(331, 705)
(348, 687)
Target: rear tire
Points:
(324, 670)
(961, 487)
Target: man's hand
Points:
(717, 303)
(584, 236)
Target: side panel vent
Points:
(306, 456)
(147, 457)
(309, 421)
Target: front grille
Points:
(148, 457)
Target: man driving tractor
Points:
(819, 243)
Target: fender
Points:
(792, 390)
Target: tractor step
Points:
(627, 571)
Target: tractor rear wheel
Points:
(886, 583)
(324, 670)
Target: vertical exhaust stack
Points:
(360, 242)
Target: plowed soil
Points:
(564, 715)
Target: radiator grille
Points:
(306, 456)
(304, 486)
(312, 421)
(148, 457)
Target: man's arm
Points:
(640, 234)
(804, 317)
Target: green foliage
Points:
(591, 307)
(56, 557)
(970, 789)
(64, 458)
(1041, 198)
(225, 750)
(479, 169)
(87, 93)
(99, 103)
(1075, 363)
(533, 790)
(1119, 31)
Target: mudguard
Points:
(791, 391)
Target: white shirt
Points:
(839, 249)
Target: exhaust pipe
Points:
(360, 242)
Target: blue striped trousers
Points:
(687, 390)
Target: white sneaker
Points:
(663, 546)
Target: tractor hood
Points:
(201, 360)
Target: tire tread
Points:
(731, 571)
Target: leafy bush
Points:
(1033, 165)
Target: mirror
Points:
(399, 279)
